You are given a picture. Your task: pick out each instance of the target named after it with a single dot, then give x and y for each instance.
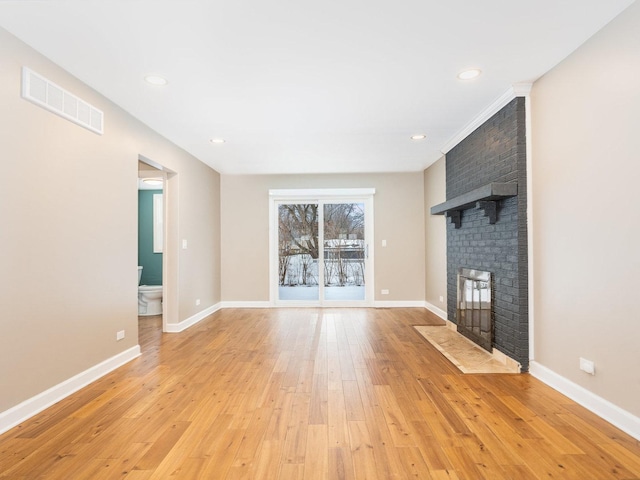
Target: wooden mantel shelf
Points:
(485, 197)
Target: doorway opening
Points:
(163, 239)
(320, 253)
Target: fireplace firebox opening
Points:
(474, 308)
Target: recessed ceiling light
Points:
(469, 74)
(152, 181)
(155, 80)
(217, 140)
(418, 137)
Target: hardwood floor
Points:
(312, 394)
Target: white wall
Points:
(68, 232)
(586, 214)
(435, 192)
(398, 218)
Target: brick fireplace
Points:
(487, 204)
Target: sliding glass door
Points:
(321, 251)
(344, 251)
(298, 252)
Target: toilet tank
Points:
(139, 274)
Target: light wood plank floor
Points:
(312, 394)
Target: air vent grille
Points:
(50, 96)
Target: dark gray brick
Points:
(495, 152)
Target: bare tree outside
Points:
(343, 249)
(298, 244)
(344, 244)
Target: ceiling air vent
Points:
(50, 96)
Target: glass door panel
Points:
(320, 253)
(298, 252)
(344, 251)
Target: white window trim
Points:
(321, 195)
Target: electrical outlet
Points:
(119, 335)
(197, 301)
(384, 243)
(441, 298)
(384, 291)
(587, 366)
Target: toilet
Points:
(149, 298)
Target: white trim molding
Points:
(625, 421)
(193, 319)
(438, 311)
(530, 228)
(322, 196)
(266, 304)
(378, 304)
(398, 304)
(34, 405)
(516, 90)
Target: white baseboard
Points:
(433, 309)
(263, 304)
(613, 414)
(377, 304)
(398, 304)
(193, 319)
(34, 405)
(267, 304)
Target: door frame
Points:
(321, 196)
(170, 241)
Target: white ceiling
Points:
(295, 86)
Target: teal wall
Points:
(151, 262)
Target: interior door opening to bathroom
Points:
(149, 169)
(322, 252)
